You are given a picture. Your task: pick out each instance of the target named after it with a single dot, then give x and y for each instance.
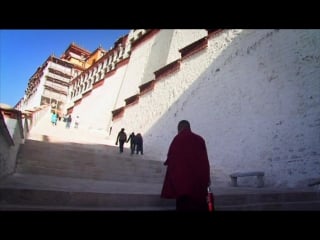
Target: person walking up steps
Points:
(121, 139)
(132, 142)
(54, 118)
(77, 122)
(188, 171)
(139, 143)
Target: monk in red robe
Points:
(188, 170)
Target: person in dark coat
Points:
(121, 138)
(188, 171)
(68, 121)
(132, 142)
(139, 143)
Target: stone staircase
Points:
(74, 169)
(80, 170)
(74, 176)
(97, 162)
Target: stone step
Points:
(32, 181)
(86, 161)
(24, 207)
(93, 162)
(46, 192)
(109, 165)
(73, 150)
(25, 191)
(95, 174)
(66, 200)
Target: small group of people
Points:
(68, 120)
(136, 141)
(187, 178)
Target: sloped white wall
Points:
(252, 94)
(95, 109)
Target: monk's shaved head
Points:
(183, 124)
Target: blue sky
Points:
(23, 51)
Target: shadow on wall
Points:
(231, 99)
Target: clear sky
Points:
(23, 51)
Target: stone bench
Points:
(235, 176)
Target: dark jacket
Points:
(138, 140)
(122, 137)
(131, 138)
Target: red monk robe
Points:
(188, 170)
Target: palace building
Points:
(252, 94)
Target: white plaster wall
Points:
(60, 68)
(161, 48)
(265, 97)
(156, 110)
(181, 38)
(35, 100)
(253, 95)
(40, 90)
(153, 54)
(153, 106)
(158, 54)
(134, 73)
(95, 110)
(155, 114)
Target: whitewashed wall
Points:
(95, 109)
(35, 100)
(134, 73)
(153, 54)
(158, 55)
(266, 105)
(182, 38)
(253, 95)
